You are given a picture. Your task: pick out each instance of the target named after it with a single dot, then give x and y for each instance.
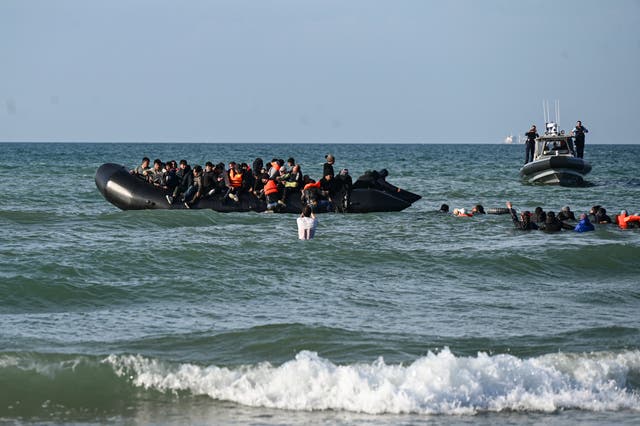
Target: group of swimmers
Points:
(550, 222)
(272, 182)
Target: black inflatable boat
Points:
(128, 192)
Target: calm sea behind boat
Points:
(176, 317)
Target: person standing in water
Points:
(530, 143)
(307, 224)
(578, 137)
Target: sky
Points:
(297, 71)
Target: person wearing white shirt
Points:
(307, 224)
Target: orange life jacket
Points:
(622, 223)
(632, 218)
(235, 178)
(312, 185)
(271, 187)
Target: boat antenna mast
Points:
(551, 128)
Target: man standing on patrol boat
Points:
(578, 133)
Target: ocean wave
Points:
(438, 383)
(434, 384)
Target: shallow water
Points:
(384, 318)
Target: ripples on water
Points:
(169, 295)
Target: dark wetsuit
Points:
(524, 225)
(566, 215)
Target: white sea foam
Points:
(439, 383)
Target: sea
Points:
(176, 317)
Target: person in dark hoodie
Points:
(184, 177)
(523, 225)
(584, 225)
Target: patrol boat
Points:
(554, 159)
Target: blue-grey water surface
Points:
(176, 317)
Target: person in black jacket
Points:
(327, 168)
(523, 225)
(529, 145)
(185, 180)
(208, 180)
(578, 137)
(343, 187)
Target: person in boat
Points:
(256, 167)
(344, 186)
(477, 209)
(578, 134)
(376, 179)
(271, 192)
(169, 180)
(291, 182)
(142, 169)
(584, 225)
(235, 181)
(530, 143)
(184, 177)
(327, 168)
(524, 223)
(221, 181)
(566, 214)
(155, 175)
(274, 168)
(291, 162)
(196, 190)
(327, 186)
(307, 224)
(208, 180)
(248, 180)
(310, 192)
(444, 208)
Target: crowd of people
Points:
(274, 182)
(551, 222)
